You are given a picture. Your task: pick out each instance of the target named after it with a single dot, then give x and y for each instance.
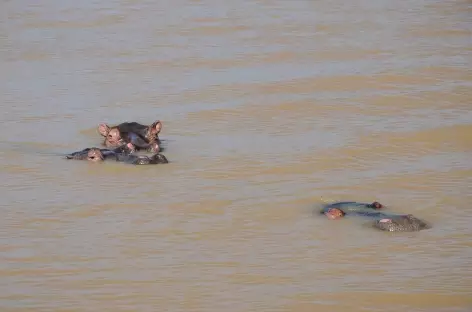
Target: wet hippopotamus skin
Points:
(382, 221)
(135, 135)
(119, 154)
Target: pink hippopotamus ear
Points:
(103, 129)
(156, 127)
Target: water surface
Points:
(269, 108)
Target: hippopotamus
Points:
(382, 221)
(135, 135)
(120, 154)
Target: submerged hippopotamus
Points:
(120, 154)
(382, 221)
(134, 135)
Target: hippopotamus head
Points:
(134, 132)
(334, 213)
(91, 154)
(150, 132)
(403, 223)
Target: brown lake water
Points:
(269, 108)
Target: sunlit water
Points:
(269, 108)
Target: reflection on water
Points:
(268, 108)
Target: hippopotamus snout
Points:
(95, 155)
(406, 223)
(91, 154)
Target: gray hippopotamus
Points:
(135, 135)
(381, 220)
(120, 154)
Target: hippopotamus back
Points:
(401, 223)
(134, 127)
(142, 160)
(353, 208)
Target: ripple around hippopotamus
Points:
(382, 221)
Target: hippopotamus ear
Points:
(103, 129)
(155, 127)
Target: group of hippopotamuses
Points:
(122, 141)
(380, 220)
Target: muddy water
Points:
(269, 108)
